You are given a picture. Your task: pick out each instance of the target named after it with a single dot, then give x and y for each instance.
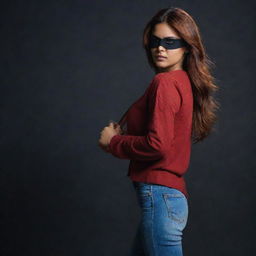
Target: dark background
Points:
(67, 68)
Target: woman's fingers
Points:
(113, 123)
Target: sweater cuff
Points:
(112, 142)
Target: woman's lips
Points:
(160, 57)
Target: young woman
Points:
(176, 110)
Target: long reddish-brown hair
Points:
(196, 63)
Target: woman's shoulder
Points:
(164, 78)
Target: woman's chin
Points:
(160, 65)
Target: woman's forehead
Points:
(162, 30)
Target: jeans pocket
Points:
(177, 207)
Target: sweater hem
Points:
(164, 178)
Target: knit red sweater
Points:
(158, 138)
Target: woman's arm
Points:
(164, 103)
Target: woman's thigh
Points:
(164, 214)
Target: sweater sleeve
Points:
(164, 101)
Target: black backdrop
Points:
(67, 68)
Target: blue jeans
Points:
(164, 214)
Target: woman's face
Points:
(174, 57)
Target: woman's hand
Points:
(107, 133)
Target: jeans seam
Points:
(153, 223)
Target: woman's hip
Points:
(162, 204)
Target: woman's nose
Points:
(160, 47)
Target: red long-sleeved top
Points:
(158, 138)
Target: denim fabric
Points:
(164, 214)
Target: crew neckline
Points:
(168, 72)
